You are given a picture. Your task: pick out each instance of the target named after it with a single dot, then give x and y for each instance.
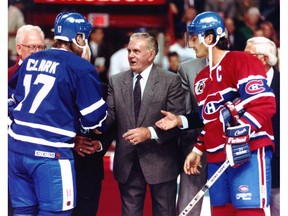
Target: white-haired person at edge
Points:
(57, 94)
(235, 105)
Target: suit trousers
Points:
(89, 181)
(189, 186)
(134, 190)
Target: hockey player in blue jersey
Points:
(57, 94)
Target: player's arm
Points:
(236, 135)
(185, 121)
(174, 103)
(193, 159)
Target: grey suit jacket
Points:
(158, 159)
(188, 71)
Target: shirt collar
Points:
(270, 74)
(144, 73)
(20, 61)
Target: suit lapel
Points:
(127, 92)
(148, 94)
(201, 64)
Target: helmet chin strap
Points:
(201, 39)
(85, 48)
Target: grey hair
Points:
(266, 47)
(23, 30)
(152, 42)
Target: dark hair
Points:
(171, 54)
(223, 42)
(58, 43)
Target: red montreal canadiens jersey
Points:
(237, 75)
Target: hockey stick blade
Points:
(203, 190)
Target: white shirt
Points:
(145, 74)
(94, 48)
(119, 61)
(270, 74)
(184, 53)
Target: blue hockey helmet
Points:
(208, 20)
(68, 24)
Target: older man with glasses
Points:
(266, 50)
(29, 39)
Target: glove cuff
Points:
(234, 114)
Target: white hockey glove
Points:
(237, 146)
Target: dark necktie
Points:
(137, 96)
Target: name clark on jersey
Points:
(42, 66)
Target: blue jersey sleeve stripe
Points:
(261, 134)
(248, 119)
(39, 141)
(100, 124)
(47, 128)
(249, 78)
(93, 107)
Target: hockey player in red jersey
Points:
(240, 131)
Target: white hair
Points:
(266, 47)
(26, 29)
(253, 11)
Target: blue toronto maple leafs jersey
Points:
(57, 93)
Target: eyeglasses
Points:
(255, 54)
(34, 47)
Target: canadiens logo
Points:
(243, 188)
(211, 106)
(219, 30)
(199, 86)
(244, 193)
(254, 87)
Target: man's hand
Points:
(169, 121)
(84, 145)
(191, 164)
(137, 135)
(96, 131)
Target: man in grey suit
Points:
(190, 185)
(144, 154)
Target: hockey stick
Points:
(238, 107)
(208, 184)
(203, 190)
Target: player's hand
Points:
(169, 121)
(191, 164)
(96, 131)
(137, 135)
(84, 145)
